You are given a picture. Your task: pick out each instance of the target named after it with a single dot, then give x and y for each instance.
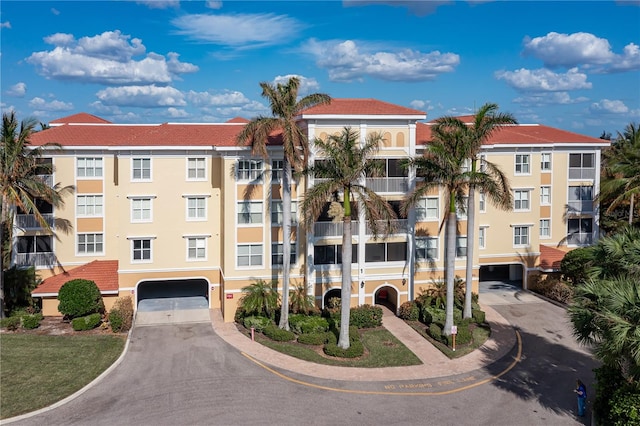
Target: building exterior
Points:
(182, 209)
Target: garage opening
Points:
(512, 273)
(172, 301)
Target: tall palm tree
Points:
(485, 123)
(345, 162)
(285, 108)
(21, 183)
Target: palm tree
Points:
(21, 183)
(344, 164)
(485, 123)
(260, 298)
(285, 108)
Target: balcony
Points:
(332, 229)
(585, 173)
(388, 184)
(36, 259)
(580, 206)
(580, 239)
(399, 226)
(28, 221)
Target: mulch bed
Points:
(56, 326)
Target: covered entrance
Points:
(172, 301)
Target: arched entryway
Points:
(387, 296)
(334, 292)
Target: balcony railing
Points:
(580, 238)
(580, 206)
(388, 184)
(582, 173)
(28, 221)
(36, 259)
(332, 229)
(399, 226)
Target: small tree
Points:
(261, 298)
(79, 298)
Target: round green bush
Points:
(409, 311)
(31, 321)
(79, 298)
(303, 324)
(435, 331)
(356, 349)
(116, 320)
(257, 323)
(314, 338)
(88, 322)
(478, 316)
(278, 334)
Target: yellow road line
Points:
(363, 392)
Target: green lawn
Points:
(36, 371)
(382, 350)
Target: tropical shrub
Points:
(303, 324)
(116, 320)
(278, 334)
(121, 315)
(366, 316)
(435, 331)
(257, 323)
(18, 285)
(261, 298)
(616, 401)
(409, 311)
(300, 302)
(478, 316)
(88, 322)
(575, 265)
(32, 321)
(10, 323)
(79, 298)
(356, 348)
(552, 287)
(314, 338)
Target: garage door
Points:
(172, 302)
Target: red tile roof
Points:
(360, 107)
(550, 258)
(103, 272)
(82, 117)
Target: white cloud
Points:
(307, 85)
(609, 106)
(55, 11)
(176, 113)
(346, 62)
(42, 105)
(209, 99)
(5, 24)
(239, 30)
(548, 98)
(107, 58)
(581, 49)
(142, 96)
(213, 4)
(544, 80)
(159, 4)
(18, 90)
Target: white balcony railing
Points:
(28, 221)
(36, 259)
(388, 184)
(580, 206)
(582, 173)
(580, 238)
(399, 226)
(332, 229)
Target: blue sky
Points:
(573, 65)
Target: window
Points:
(579, 231)
(427, 248)
(90, 243)
(88, 205)
(545, 228)
(141, 169)
(277, 166)
(545, 195)
(141, 209)
(276, 254)
(545, 162)
(483, 163)
(34, 244)
(196, 168)
(582, 166)
(89, 167)
(332, 254)
(276, 213)
(249, 170)
(461, 210)
(196, 248)
(196, 208)
(141, 249)
(250, 212)
(580, 199)
(250, 255)
(522, 164)
(482, 237)
(466, 165)
(521, 199)
(385, 252)
(521, 235)
(461, 246)
(482, 202)
(427, 209)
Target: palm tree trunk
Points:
(3, 215)
(471, 231)
(345, 296)
(450, 235)
(286, 243)
(631, 200)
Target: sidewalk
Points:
(435, 363)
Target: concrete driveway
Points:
(173, 310)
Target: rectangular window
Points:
(579, 231)
(545, 162)
(196, 208)
(521, 199)
(196, 168)
(141, 249)
(277, 166)
(461, 246)
(427, 248)
(427, 209)
(249, 255)
(545, 228)
(482, 202)
(276, 213)
(522, 164)
(250, 212)
(141, 169)
(141, 209)
(276, 254)
(89, 167)
(88, 206)
(520, 235)
(580, 199)
(332, 255)
(545, 195)
(582, 166)
(482, 237)
(196, 248)
(34, 244)
(385, 252)
(249, 170)
(90, 244)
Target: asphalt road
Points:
(186, 375)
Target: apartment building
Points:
(180, 209)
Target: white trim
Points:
(196, 179)
(141, 157)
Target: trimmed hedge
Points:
(409, 311)
(257, 323)
(366, 316)
(278, 334)
(86, 323)
(478, 316)
(314, 338)
(304, 324)
(79, 298)
(32, 321)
